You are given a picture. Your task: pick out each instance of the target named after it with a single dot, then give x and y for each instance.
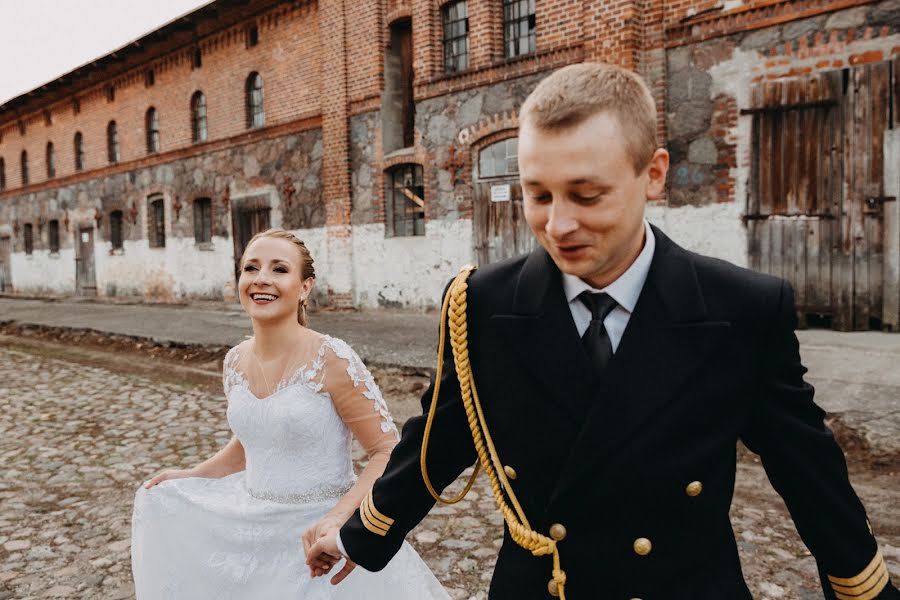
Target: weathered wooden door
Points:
(499, 218)
(816, 205)
(5, 267)
(247, 220)
(85, 280)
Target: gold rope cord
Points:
(454, 306)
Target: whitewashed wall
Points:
(44, 273)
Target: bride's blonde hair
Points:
(307, 269)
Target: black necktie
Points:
(596, 339)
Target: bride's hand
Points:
(322, 564)
(169, 474)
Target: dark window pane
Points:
(24, 168)
(518, 27)
(153, 144)
(53, 235)
(28, 236)
(115, 229)
(456, 36)
(255, 115)
(79, 152)
(51, 161)
(406, 196)
(202, 220)
(112, 142)
(157, 223)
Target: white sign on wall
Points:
(85, 237)
(500, 193)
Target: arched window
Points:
(112, 143)
(499, 159)
(405, 200)
(51, 161)
(255, 115)
(24, 168)
(2, 174)
(156, 221)
(198, 116)
(79, 151)
(152, 131)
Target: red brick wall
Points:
(287, 57)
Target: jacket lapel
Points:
(540, 330)
(667, 339)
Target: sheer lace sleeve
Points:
(362, 408)
(228, 369)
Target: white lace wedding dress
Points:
(239, 537)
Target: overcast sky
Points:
(43, 39)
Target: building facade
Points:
(384, 134)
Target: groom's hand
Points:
(324, 552)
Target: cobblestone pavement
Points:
(76, 440)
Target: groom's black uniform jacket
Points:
(709, 357)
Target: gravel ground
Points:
(76, 438)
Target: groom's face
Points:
(583, 199)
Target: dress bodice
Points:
(295, 440)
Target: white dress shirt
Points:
(625, 291)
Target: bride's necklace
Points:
(262, 371)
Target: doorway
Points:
(85, 279)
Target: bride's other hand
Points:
(325, 551)
(169, 474)
(322, 564)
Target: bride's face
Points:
(271, 282)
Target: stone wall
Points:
(287, 170)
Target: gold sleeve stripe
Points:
(371, 514)
(868, 595)
(877, 562)
(370, 524)
(387, 521)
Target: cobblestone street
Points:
(76, 441)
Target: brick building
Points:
(384, 133)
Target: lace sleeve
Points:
(354, 391)
(228, 373)
(361, 406)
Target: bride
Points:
(236, 526)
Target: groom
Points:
(617, 372)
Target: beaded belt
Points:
(312, 496)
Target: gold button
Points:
(510, 472)
(558, 532)
(553, 588)
(642, 546)
(694, 488)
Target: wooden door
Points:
(500, 229)
(5, 267)
(247, 220)
(815, 209)
(85, 280)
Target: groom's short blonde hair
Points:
(575, 93)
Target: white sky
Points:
(43, 39)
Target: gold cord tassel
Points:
(454, 307)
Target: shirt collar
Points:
(627, 288)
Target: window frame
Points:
(53, 236)
(512, 20)
(28, 238)
(78, 144)
(199, 117)
(151, 122)
(112, 143)
(23, 159)
(254, 101)
(450, 36)
(203, 224)
(156, 221)
(116, 229)
(410, 222)
(50, 160)
(489, 151)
